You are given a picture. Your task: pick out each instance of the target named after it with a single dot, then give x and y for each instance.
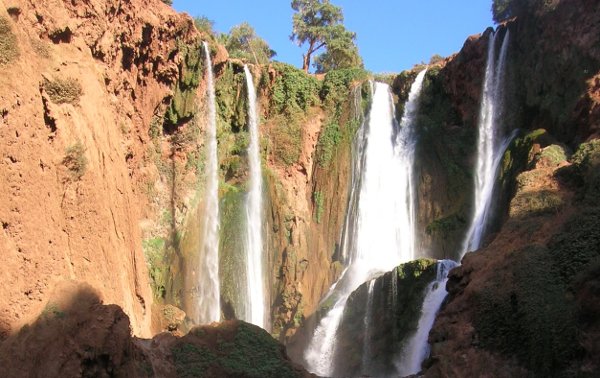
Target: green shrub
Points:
(286, 138)
(75, 160)
(329, 138)
(183, 103)
(191, 360)
(154, 251)
(532, 311)
(336, 88)
(446, 225)
(9, 49)
(318, 202)
(293, 91)
(541, 202)
(63, 91)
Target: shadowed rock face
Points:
(77, 336)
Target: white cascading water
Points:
(417, 348)
(255, 297)
(383, 236)
(491, 143)
(209, 307)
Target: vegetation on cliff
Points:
(319, 24)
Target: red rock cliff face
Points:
(521, 306)
(63, 219)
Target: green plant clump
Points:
(75, 160)
(318, 201)
(63, 91)
(336, 87)
(446, 225)
(191, 360)
(293, 91)
(154, 251)
(329, 138)
(183, 103)
(533, 312)
(9, 49)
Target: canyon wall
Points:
(92, 174)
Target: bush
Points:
(329, 138)
(287, 141)
(293, 91)
(63, 91)
(9, 49)
(75, 160)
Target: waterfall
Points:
(417, 347)
(253, 244)
(209, 307)
(382, 235)
(491, 142)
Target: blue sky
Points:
(392, 36)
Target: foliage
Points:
(254, 353)
(319, 24)
(191, 360)
(63, 91)
(204, 24)
(293, 91)
(232, 99)
(336, 87)
(183, 103)
(9, 49)
(529, 204)
(502, 10)
(329, 138)
(446, 226)
(231, 256)
(318, 205)
(154, 251)
(341, 51)
(243, 43)
(250, 352)
(168, 2)
(286, 138)
(532, 311)
(75, 160)
(553, 155)
(435, 58)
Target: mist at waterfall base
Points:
(254, 307)
(209, 307)
(382, 218)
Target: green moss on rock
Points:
(183, 102)
(532, 311)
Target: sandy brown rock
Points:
(56, 228)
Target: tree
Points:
(317, 23)
(341, 51)
(204, 24)
(243, 43)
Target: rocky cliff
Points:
(523, 304)
(92, 174)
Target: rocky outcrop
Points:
(76, 335)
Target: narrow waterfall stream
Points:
(416, 348)
(209, 307)
(381, 232)
(491, 142)
(255, 297)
